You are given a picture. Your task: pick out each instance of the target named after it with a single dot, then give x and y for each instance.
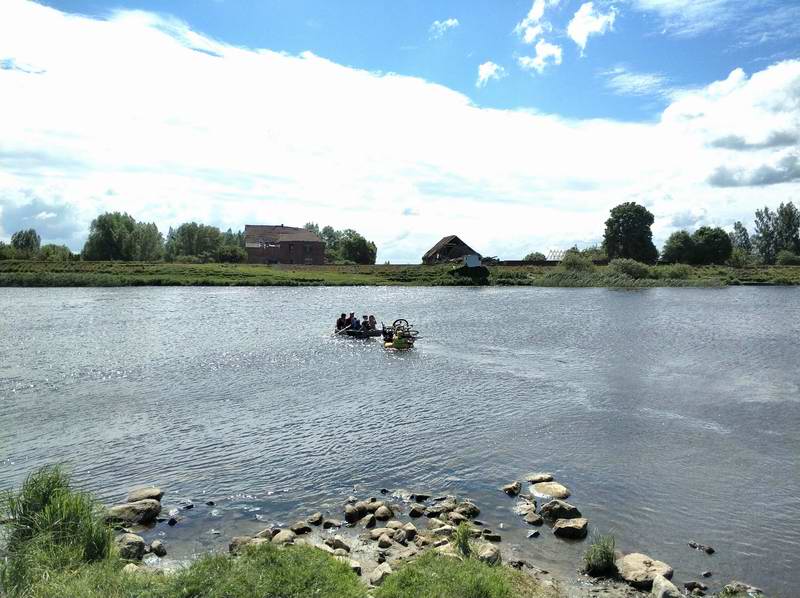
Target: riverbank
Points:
(60, 542)
(19, 273)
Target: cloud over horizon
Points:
(140, 113)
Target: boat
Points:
(400, 336)
(363, 333)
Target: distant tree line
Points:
(344, 246)
(628, 235)
(27, 245)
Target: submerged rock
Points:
(315, 518)
(639, 570)
(144, 493)
(131, 547)
(553, 489)
(533, 518)
(574, 529)
(142, 511)
(512, 489)
(558, 509)
(539, 477)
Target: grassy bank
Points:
(98, 274)
(57, 545)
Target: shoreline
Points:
(17, 273)
(381, 534)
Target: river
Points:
(672, 414)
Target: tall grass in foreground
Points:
(599, 557)
(50, 527)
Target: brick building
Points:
(270, 244)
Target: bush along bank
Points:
(60, 542)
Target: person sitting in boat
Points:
(373, 323)
(365, 324)
(348, 322)
(354, 322)
(341, 323)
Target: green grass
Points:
(599, 557)
(110, 274)
(265, 571)
(461, 540)
(436, 576)
(51, 527)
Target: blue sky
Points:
(516, 124)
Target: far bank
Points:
(29, 273)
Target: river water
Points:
(672, 414)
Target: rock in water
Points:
(416, 510)
(383, 513)
(143, 493)
(539, 477)
(142, 511)
(157, 548)
(574, 529)
(368, 521)
(664, 588)
(380, 573)
(533, 518)
(300, 528)
(315, 518)
(131, 547)
(553, 489)
(384, 541)
(353, 513)
(468, 509)
(735, 588)
(512, 489)
(639, 570)
(558, 509)
(489, 553)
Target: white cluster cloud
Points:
(487, 71)
(142, 114)
(588, 21)
(439, 28)
(546, 53)
(530, 29)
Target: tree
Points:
(628, 234)
(110, 237)
(740, 238)
(787, 228)
(355, 248)
(54, 253)
(313, 227)
(148, 243)
(232, 254)
(711, 246)
(679, 248)
(7, 252)
(535, 256)
(233, 238)
(193, 240)
(764, 239)
(26, 242)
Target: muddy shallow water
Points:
(672, 414)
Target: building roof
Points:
(444, 244)
(269, 233)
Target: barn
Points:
(447, 249)
(279, 244)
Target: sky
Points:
(515, 124)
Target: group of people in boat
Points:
(351, 322)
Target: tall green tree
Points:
(628, 234)
(193, 240)
(54, 253)
(765, 239)
(26, 242)
(711, 246)
(679, 248)
(787, 228)
(740, 238)
(355, 248)
(110, 238)
(148, 243)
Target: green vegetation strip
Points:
(619, 274)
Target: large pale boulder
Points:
(573, 529)
(142, 511)
(553, 489)
(558, 509)
(383, 513)
(489, 553)
(664, 588)
(538, 477)
(145, 492)
(131, 547)
(285, 536)
(379, 573)
(468, 509)
(639, 570)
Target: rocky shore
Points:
(377, 535)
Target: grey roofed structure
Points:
(448, 248)
(271, 244)
(259, 234)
